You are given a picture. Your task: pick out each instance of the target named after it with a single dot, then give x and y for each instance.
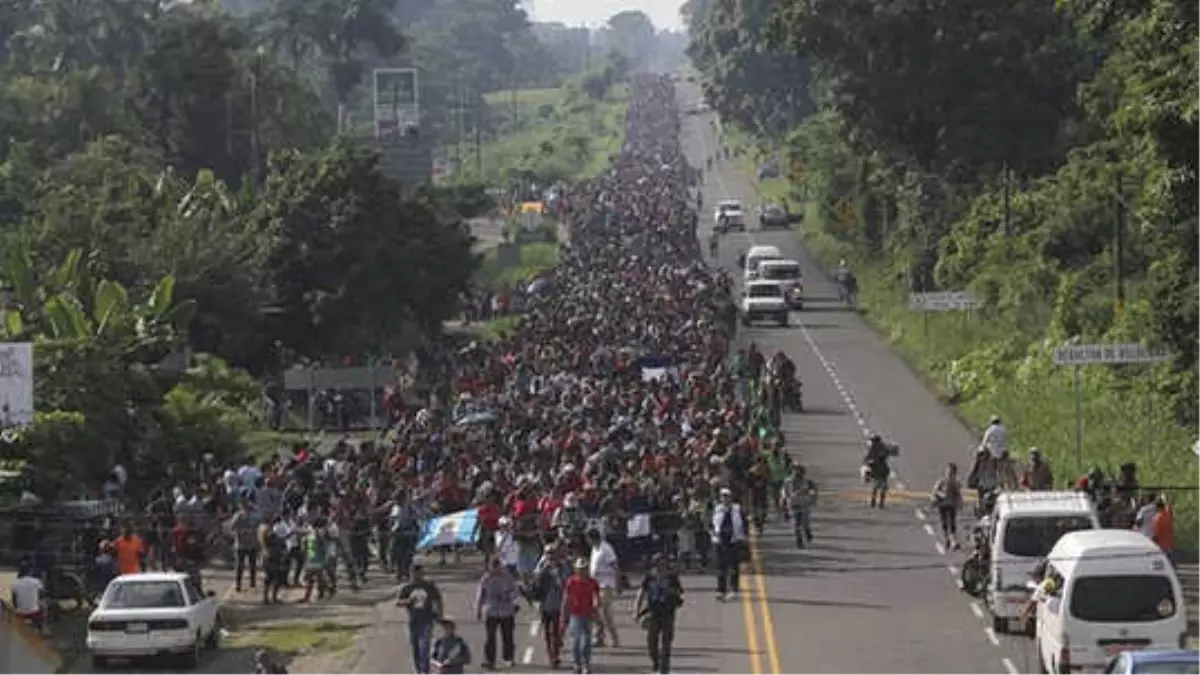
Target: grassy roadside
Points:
(562, 135)
(980, 365)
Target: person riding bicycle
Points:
(799, 496)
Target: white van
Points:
(756, 255)
(1023, 528)
(787, 273)
(1118, 592)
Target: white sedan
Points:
(151, 614)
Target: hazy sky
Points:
(664, 13)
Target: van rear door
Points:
(1113, 613)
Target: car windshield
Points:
(1168, 668)
(781, 272)
(144, 595)
(1129, 598)
(765, 291)
(1034, 537)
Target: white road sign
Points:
(1078, 355)
(942, 302)
(16, 384)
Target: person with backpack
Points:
(660, 597)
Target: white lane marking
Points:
(533, 629)
(940, 549)
(952, 569)
(900, 484)
(991, 635)
(919, 513)
(929, 530)
(1008, 665)
(976, 610)
(527, 657)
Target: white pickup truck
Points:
(764, 299)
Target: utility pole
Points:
(235, 116)
(478, 139)
(459, 124)
(1119, 245)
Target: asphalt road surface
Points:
(876, 593)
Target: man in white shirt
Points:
(606, 570)
(27, 592)
(995, 439)
(729, 538)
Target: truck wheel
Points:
(999, 625)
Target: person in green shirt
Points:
(316, 554)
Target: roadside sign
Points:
(364, 377)
(845, 212)
(943, 302)
(395, 98)
(1078, 355)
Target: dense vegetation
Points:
(1041, 156)
(178, 216)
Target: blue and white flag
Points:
(451, 529)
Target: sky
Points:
(664, 13)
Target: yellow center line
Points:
(768, 622)
(751, 628)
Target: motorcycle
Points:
(974, 575)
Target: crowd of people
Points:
(612, 432)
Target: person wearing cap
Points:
(450, 653)
(506, 547)
(995, 439)
(581, 596)
(423, 601)
(729, 538)
(659, 598)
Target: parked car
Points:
(153, 614)
(773, 215)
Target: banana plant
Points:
(72, 306)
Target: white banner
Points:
(942, 302)
(16, 384)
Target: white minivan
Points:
(1116, 592)
(756, 255)
(1024, 526)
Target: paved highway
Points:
(874, 594)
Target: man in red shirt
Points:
(580, 597)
